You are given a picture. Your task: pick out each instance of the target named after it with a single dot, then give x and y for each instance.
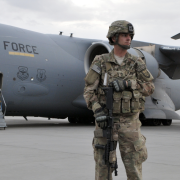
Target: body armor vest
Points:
(128, 101)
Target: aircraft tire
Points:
(144, 122)
(85, 120)
(155, 122)
(167, 122)
(72, 120)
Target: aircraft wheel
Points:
(72, 120)
(144, 122)
(155, 122)
(86, 120)
(167, 122)
(81, 120)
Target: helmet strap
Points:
(124, 46)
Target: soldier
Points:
(131, 81)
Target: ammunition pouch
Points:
(135, 105)
(117, 102)
(126, 96)
(142, 103)
(124, 102)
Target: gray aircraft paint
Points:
(48, 80)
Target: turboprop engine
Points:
(102, 47)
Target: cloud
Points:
(153, 20)
(64, 10)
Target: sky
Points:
(155, 21)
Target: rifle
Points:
(107, 132)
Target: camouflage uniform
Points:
(126, 108)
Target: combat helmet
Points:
(117, 27)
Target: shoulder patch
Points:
(96, 68)
(146, 74)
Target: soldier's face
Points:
(125, 39)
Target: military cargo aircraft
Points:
(43, 75)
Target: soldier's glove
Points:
(119, 85)
(101, 117)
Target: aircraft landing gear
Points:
(155, 122)
(81, 120)
(167, 122)
(72, 120)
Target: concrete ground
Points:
(58, 150)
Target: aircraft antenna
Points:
(60, 32)
(71, 35)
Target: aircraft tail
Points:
(175, 37)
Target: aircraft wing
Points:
(172, 52)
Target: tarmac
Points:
(57, 150)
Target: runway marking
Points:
(20, 54)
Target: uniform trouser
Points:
(131, 144)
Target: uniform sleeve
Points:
(144, 79)
(92, 80)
